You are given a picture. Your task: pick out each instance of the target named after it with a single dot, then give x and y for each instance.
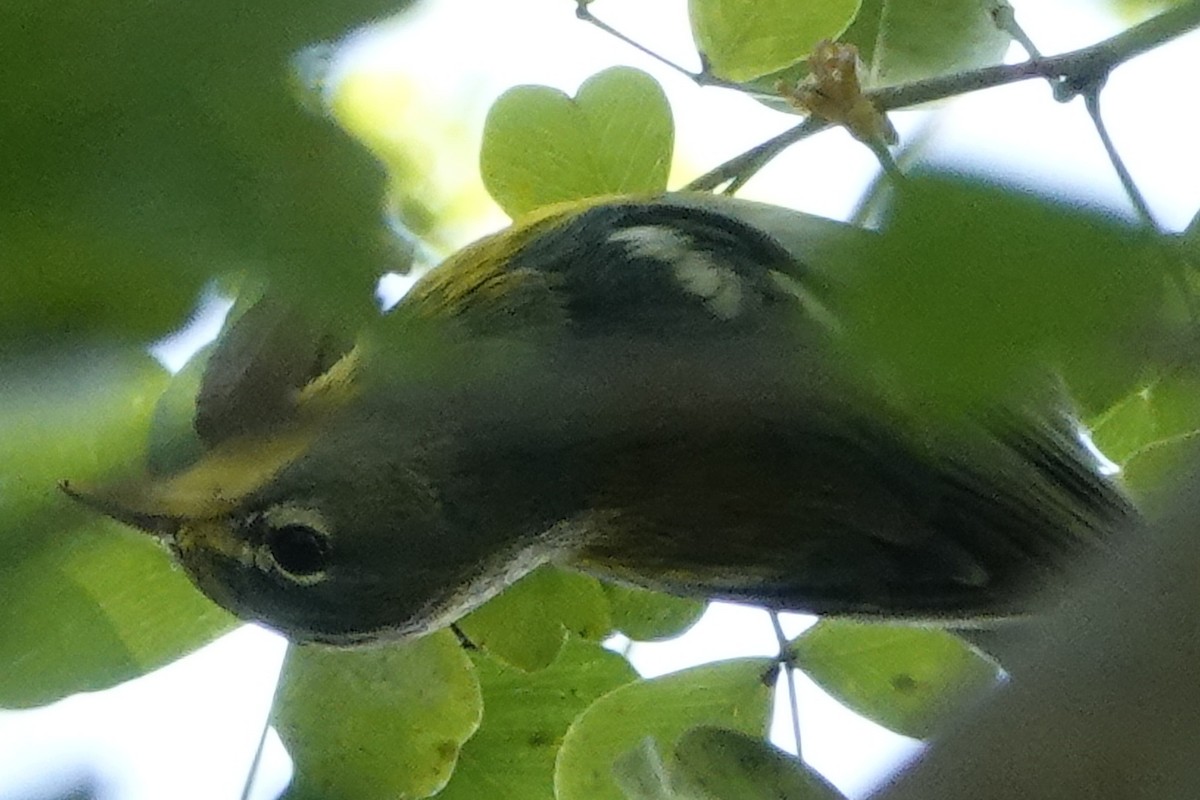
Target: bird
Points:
(655, 390)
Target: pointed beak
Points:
(212, 488)
(121, 503)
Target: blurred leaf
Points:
(1191, 237)
(173, 442)
(734, 694)
(161, 143)
(377, 722)
(79, 417)
(102, 606)
(863, 32)
(646, 616)
(1134, 11)
(981, 286)
(86, 604)
(719, 764)
(427, 145)
(512, 755)
(917, 39)
(527, 624)
(740, 41)
(1152, 432)
(907, 679)
(541, 146)
(1154, 414)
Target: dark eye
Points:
(298, 549)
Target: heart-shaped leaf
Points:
(541, 146)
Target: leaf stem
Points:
(1006, 20)
(702, 78)
(1092, 101)
(256, 762)
(790, 673)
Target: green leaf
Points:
(720, 764)
(863, 33)
(916, 39)
(734, 694)
(1152, 432)
(78, 417)
(102, 606)
(641, 774)
(85, 603)
(646, 616)
(978, 287)
(905, 678)
(164, 143)
(541, 146)
(379, 722)
(1191, 235)
(173, 442)
(512, 755)
(527, 624)
(741, 40)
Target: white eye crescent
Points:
(294, 541)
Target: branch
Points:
(1085, 67)
(1071, 72)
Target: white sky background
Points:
(189, 730)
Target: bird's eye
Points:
(298, 550)
(291, 539)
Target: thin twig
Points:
(1086, 66)
(1006, 20)
(890, 168)
(741, 168)
(257, 760)
(913, 145)
(1092, 100)
(702, 78)
(790, 672)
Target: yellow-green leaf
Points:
(743, 39)
(715, 764)
(905, 678)
(1152, 432)
(102, 606)
(918, 39)
(527, 624)
(541, 146)
(645, 616)
(381, 722)
(731, 694)
(526, 715)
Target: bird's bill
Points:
(211, 488)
